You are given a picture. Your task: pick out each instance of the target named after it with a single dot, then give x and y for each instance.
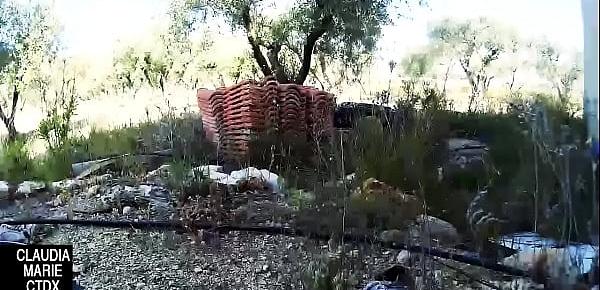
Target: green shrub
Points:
(103, 143)
(54, 165)
(183, 135)
(329, 272)
(15, 163)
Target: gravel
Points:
(129, 259)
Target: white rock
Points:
(67, 184)
(28, 187)
(92, 190)
(3, 190)
(145, 189)
(57, 201)
(160, 171)
(270, 178)
(127, 210)
(3, 186)
(197, 270)
(403, 258)
(207, 169)
(77, 268)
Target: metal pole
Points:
(590, 60)
(589, 9)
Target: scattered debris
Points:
(17, 234)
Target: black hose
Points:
(177, 225)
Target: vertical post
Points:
(589, 10)
(590, 60)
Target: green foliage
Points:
(15, 163)
(386, 157)
(56, 129)
(126, 70)
(476, 44)
(54, 165)
(102, 143)
(29, 43)
(244, 68)
(187, 180)
(184, 135)
(331, 27)
(560, 71)
(293, 157)
(406, 149)
(300, 198)
(417, 65)
(329, 273)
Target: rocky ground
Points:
(111, 259)
(107, 258)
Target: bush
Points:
(54, 165)
(183, 135)
(329, 272)
(103, 143)
(15, 163)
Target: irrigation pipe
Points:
(174, 225)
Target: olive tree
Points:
(559, 69)
(476, 45)
(28, 44)
(284, 38)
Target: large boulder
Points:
(429, 230)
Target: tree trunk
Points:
(9, 120)
(311, 41)
(12, 131)
(446, 77)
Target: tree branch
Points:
(258, 55)
(15, 101)
(316, 33)
(3, 116)
(15, 98)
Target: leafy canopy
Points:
(283, 35)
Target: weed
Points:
(328, 273)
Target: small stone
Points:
(57, 201)
(78, 268)
(127, 210)
(265, 268)
(197, 270)
(403, 257)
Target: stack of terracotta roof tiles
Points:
(232, 115)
